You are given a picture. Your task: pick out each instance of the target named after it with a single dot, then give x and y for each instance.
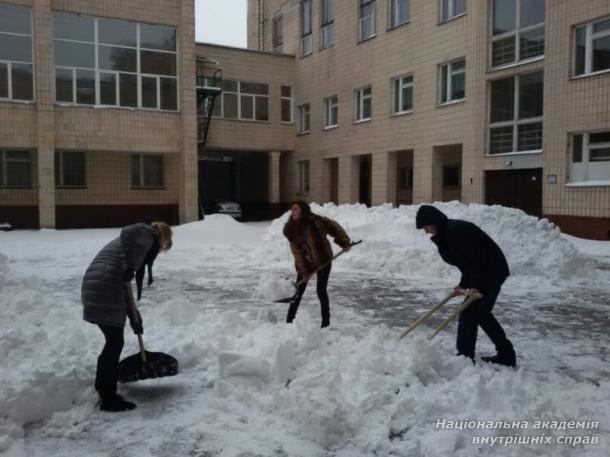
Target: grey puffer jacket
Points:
(103, 290)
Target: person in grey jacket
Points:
(103, 294)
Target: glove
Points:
(128, 275)
(136, 327)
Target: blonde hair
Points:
(165, 235)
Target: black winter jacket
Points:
(467, 247)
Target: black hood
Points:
(429, 215)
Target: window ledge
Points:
(452, 102)
(327, 47)
(253, 121)
(21, 102)
(589, 75)
(401, 113)
(588, 184)
(516, 64)
(71, 187)
(16, 188)
(451, 19)
(397, 26)
(330, 127)
(147, 188)
(363, 121)
(282, 122)
(369, 38)
(304, 133)
(518, 153)
(105, 107)
(306, 55)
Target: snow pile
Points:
(215, 229)
(392, 245)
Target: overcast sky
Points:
(221, 21)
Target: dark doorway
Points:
(516, 189)
(216, 182)
(365, 180)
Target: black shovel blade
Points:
(157, 365)
(286, 300)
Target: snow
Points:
(251, 385)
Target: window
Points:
(327, 37)
(453, 81)
(243, 100)
(111, 62)
(405, 178)
(451, 176)
(147, 171)
(16, 67)
(399, 12)
(286, 103)
(304, 118)
(402, 94)
(331, 112)
(366, 24)
(278, 33)
(306, 36)
(590, 157)
(517, 31)
(452, 8)
(363, 99)
(516, 114)
(592, 47)
(15, 168)
(70, 169)
(303, 176)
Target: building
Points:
(373, 101)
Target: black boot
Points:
(116, 404)
(507, 358)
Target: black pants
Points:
(321, 286)
(107, 374)
(479, 314)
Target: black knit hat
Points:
(429, 215)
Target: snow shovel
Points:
(300, 283)
(144, 364)
(468, 301)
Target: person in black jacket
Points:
(103, 294)
(483, 267)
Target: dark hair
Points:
(305, 208)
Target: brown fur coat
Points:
(309, 243)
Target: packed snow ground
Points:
(251, 385)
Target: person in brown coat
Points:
(307, 234)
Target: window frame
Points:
(239, 94)
(306, 40)
(517, 34)
(291, 103)
(393, 8)
(304, 170)
(327, 28)
(589, 38)
(3, 168)
(359, 98)
(59, 154)
(449, 84)
(304, 118)
(585, 164)
(330, 103)
(142, 185)
(361, 4)
(515, 122)
(451, 15)
(277, 38)
(98, 71)
(399, 94)
(9, 63)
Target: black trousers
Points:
(321, 286)
(478, 314)
(107, 374)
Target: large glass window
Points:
(286, 103)
(453, 81)
(366, 23)
(16, 63)
(363, 99)
(303, 176)
(517, 31)
(331, 112)
(278, 33)
(147, 171)
(70, 169)
(243, 100)
(112, 62)
(15, 168)
(306, 36)
(451, 9)
(516, 114)
(402, 94)
(398, 12)
(592, 47)
(590, 157)
(304, 118)
(327, 33)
